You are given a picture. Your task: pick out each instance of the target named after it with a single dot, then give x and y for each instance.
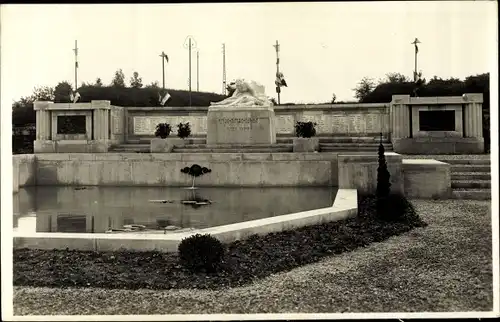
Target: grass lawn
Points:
(445, 266)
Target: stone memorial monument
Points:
(247, 117)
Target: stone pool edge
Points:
(344, 206)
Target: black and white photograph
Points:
(242, 161)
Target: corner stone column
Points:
(43, 122)
(101, 119)
(473, 115)
(400, 116)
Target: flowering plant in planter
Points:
(163, 130)
(183, 130)
(305, 141)
(305, 129)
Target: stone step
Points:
(471, 176)
(352, 148)
(232, 150)
(130, 146)
(236, 146)
(288, 139)
(198, 140)
(466, 161)
(131, 151)
(469, 168)
(369, 145)
(471, 194)
(339, 139)
(473, 184)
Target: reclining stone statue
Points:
(246, 94)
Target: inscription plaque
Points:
(146, 125)
(238, 124)
(437, 120)
(71, 124)
(285, 124)
(117, 124)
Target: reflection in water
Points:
(99, 209)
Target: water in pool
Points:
(109, 209)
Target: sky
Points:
(326, 47)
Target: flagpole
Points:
(415, 42)
(197, 71)
(76, 64)
(224, 69)
(189, 48)
(163, 67)
(277, 46)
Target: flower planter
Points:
(166, 145)
(305, 144)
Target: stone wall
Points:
(416, 178)
(426, 179)
(23, 171)
(360, 172)
(339, 119)
(163, 169)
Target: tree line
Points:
(369, 91)
(136, 94)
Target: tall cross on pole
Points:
(189, 45)
(197, 70)
(76, 64)
(277, 47)
(163, 58)
(415, 73)
(224, 69)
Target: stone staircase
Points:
(231, 148)
(354, 144)
(470, 174)
(283, 144)
(470, 178)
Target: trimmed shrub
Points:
(305, 129)
(383, 183)
(163, 130)
(183, 130)
(201, 253)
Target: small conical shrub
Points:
(383, 183)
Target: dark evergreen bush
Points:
(183, 130)
(305, 129)
(383, 183)
(201, 253)
(163, 130)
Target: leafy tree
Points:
(119, 79)
(136, 81)
(43, 93)
(395, 78)
(364, 88)
(334, 98)
(22, 111)
(62, 92)
(98, 82)
(154, 84)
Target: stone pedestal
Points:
(359, 171)
(243, 125)
(305, 144)
(166, 145)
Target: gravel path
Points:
(449, 156)
(443, 267)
